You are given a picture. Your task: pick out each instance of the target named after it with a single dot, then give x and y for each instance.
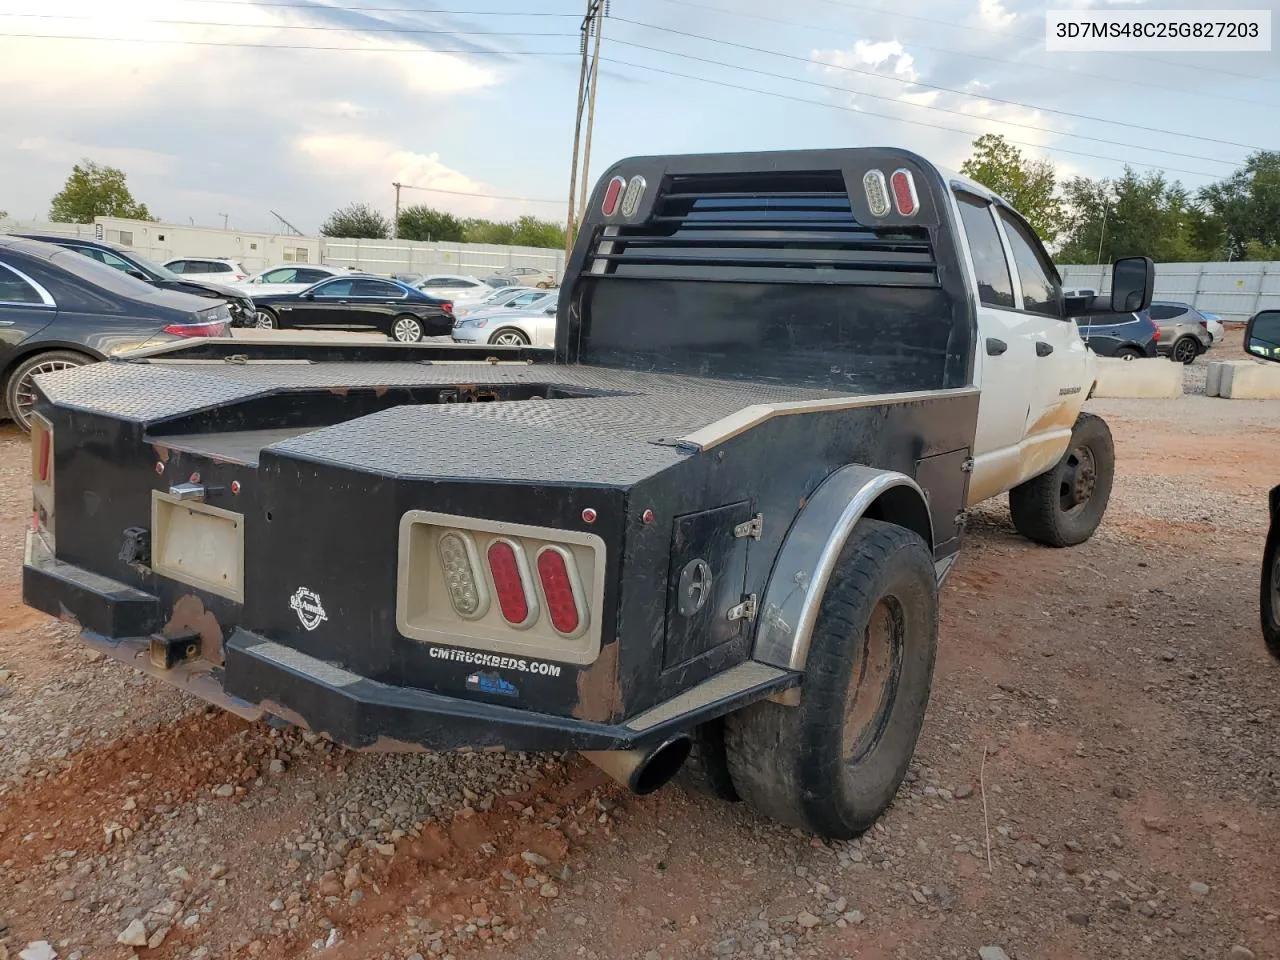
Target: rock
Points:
(1080, 919)
(67, 895)
(854, 916)
(549, 890)
(157, 938)
(199, 953)
(5, 676)
(726, 947)
(992, 953)
(134, 935)
(217, 871)
(1240, 953)
(224, 790)
(1156, 824)
(807, 919)
(356, 897)
(1198, 888)
(963, 791)
(536, 859)
(276, 905)
(1073, 846)
(38, 950)
(276, 767)
(386, 849)
(1121, 792)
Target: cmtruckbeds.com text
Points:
(494, 661)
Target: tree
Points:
(529, 231)
(1247, 204)
(1134, 215)
(420, 222)
(479, 230)
(95, 191)
(1027, 184)
(357, 221)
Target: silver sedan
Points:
(506, 327)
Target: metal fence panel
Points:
(1234, 291)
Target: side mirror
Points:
(1133, 281)
(1262, 336)
(308, 296)
(137, 274)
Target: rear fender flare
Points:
(789, 607)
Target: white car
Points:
(288, 278)
(1213, 323)
(454, 286)
(219, 271)
(512, 298)
(535, 325)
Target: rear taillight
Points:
(904, 192)
(42, 467)
(561, 590)
(215, 328)
(447, 307)
(612, 193)
(44, 452)
(1205, 324)
(459, 560)
(509, 570)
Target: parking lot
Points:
(1099, 776)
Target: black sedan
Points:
(126, 261)
(359, 302)
(59, 310)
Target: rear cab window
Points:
(990, 268)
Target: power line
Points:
(922, 106)
(483, 196)
(325, 8)
(1033, 37)
(886, 116)
(304, 46)
(929, 86)
(974, 56)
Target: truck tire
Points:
(1271, 590)
(1063, 506)
(706, 769)
(832, 764)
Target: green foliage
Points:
(1247, 204)
(421, 222)
(1134, 215)
(357, 221)
(527, 231)
(1027, 184)
(95, 191)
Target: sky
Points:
(236, 108)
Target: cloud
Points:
(67, 152)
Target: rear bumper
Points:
(260, 677)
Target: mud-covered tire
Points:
(1064, 505)
(832, 764)
(1270, 599)
(706, 771)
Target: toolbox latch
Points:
(753, 528)
(746, 610)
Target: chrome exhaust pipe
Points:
(644, 769)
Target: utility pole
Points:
(594, 11)
(395, 224)
(594, 80)
(224, 217)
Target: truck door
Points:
(1006, 352)
(1062, 361)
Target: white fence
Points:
(167, 241)
(1234, 291)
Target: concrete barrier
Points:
(1153, 377)
(1215, 372)
(1250, 380)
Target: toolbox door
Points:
(705, 581)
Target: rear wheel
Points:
(1064, 505)
(265, 320)
(1129, 353)
(406, 329)
(20, 391)
(1185, 350)
(833, 763)
(1271, 590)
(509, 337)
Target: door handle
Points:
(1043, 349)
(996, 347)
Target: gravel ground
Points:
(1099, 776)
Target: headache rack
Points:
(770, 227)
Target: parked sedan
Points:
(219, 271)
(528, 277)
(288, 278)
(126, 261)
(454, 286)
(534, 325)
(1213, 323)
(1182, 336)
(359, 302)
(1127, 336)
(59, 309)
(509, 297)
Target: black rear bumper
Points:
(260, 677)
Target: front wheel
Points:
(1185, 350)
(1271, 589)
(265, 320)
(1064, 505)
(406, 329)
(509, 338)
(832, 764)
(20, 391)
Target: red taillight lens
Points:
(559, 590)
(42, 459)
(447, 307)
(609, 206)
(509, 583)
(217, 328)
(904, 192)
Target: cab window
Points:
(1041, 292)
(990, 268)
